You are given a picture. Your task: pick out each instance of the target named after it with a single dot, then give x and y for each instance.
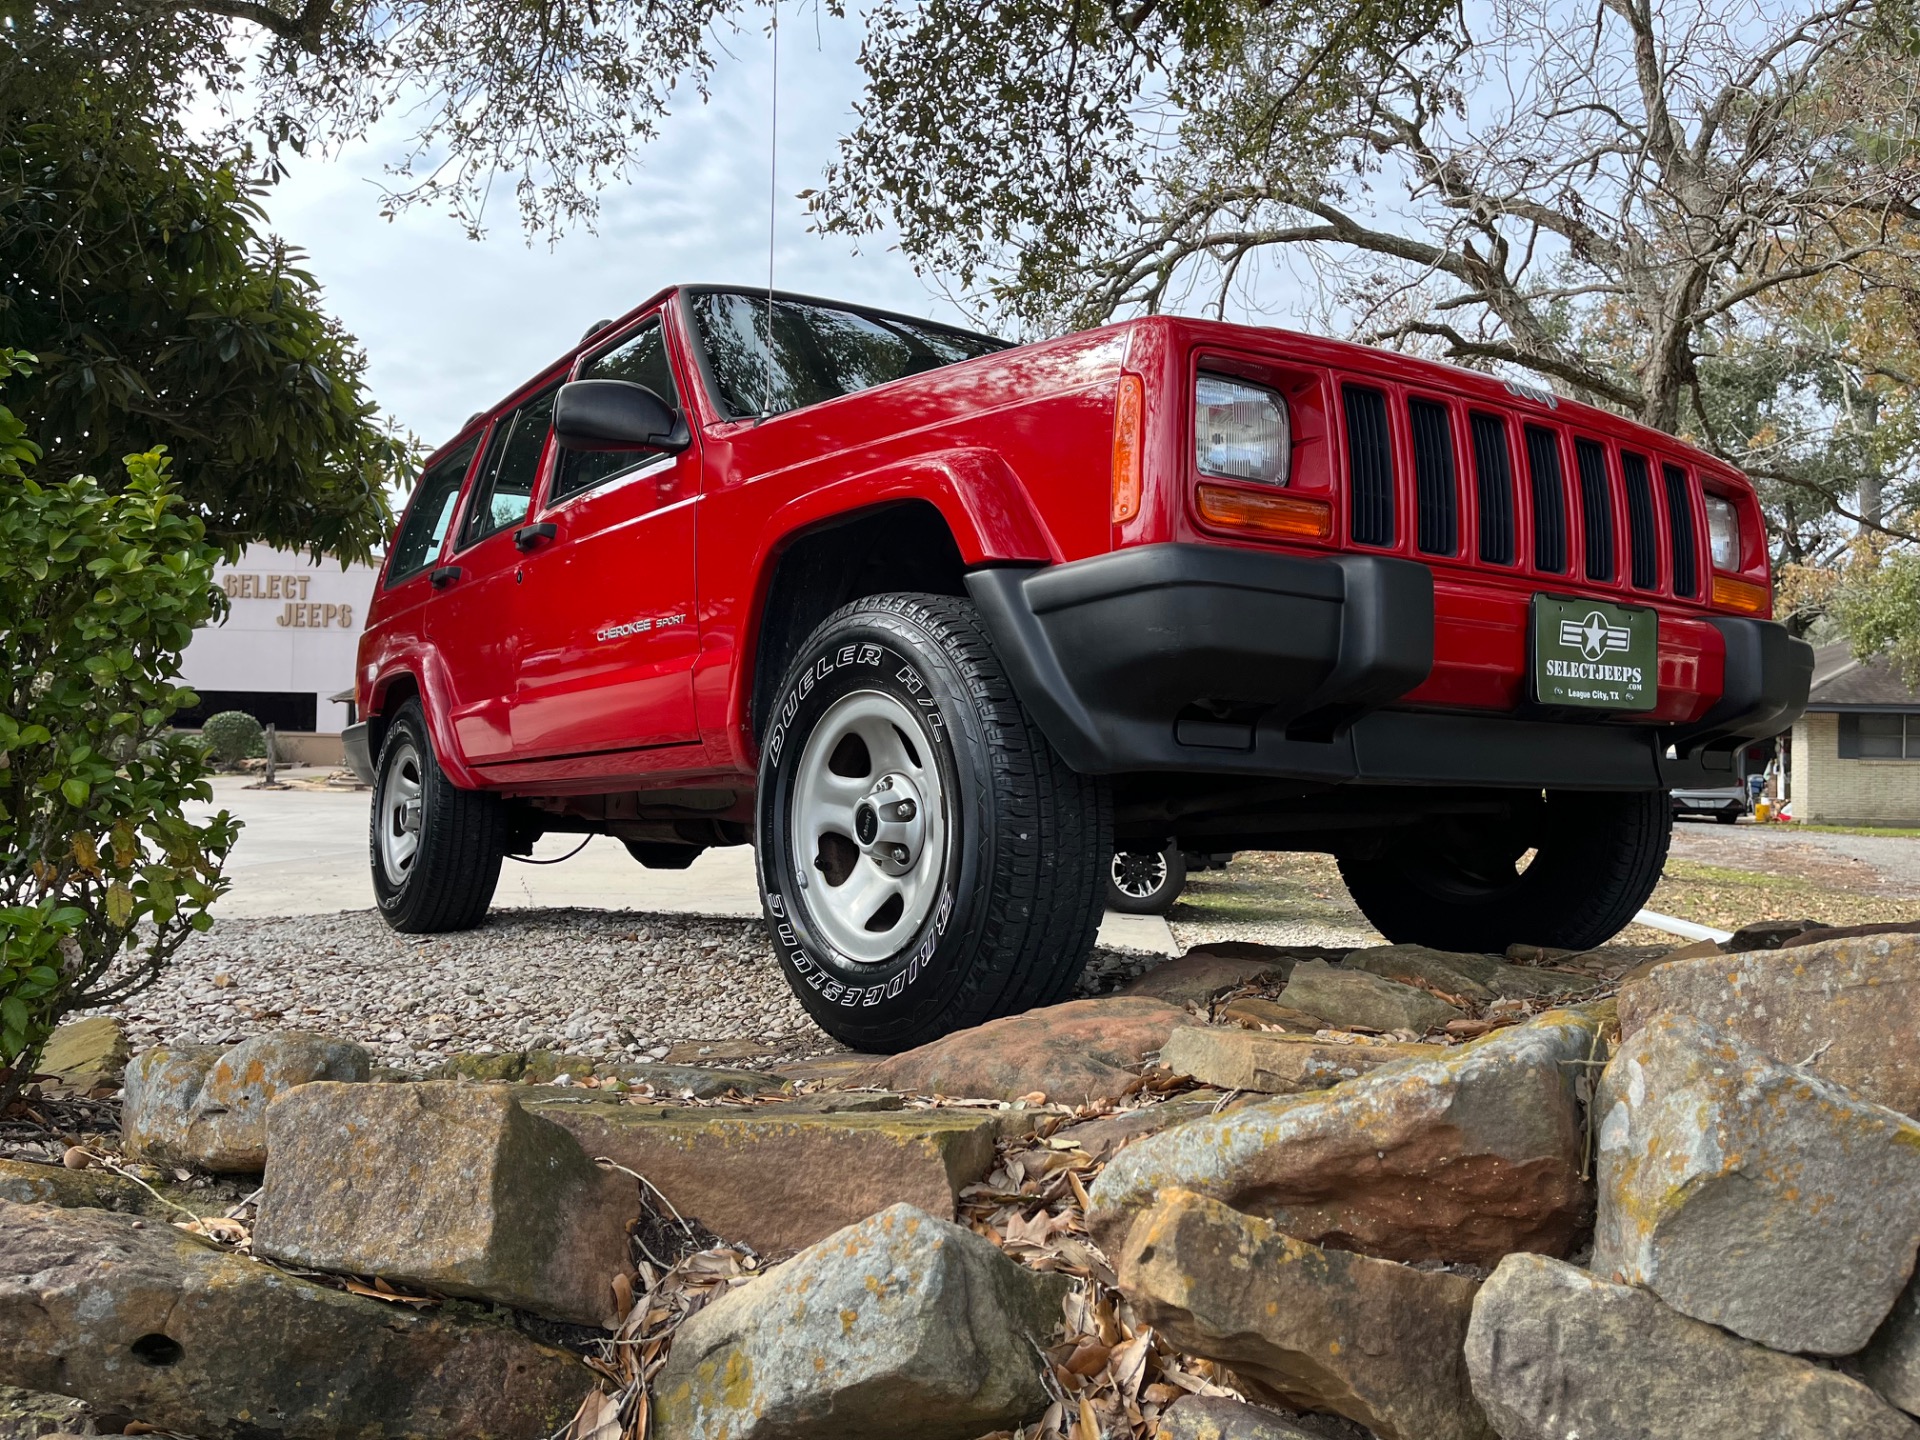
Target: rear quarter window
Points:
(430, 513)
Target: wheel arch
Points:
(905, 545)
(426, 684)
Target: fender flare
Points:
(979, 498)
(427, 671)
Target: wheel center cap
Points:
(889, 824)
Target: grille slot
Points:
(1680, 529)
(1642, 536)
(1596, 507)
(1433, 477)
(1549, 490)
(1493, 481)
(1369, 465)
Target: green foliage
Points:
(102, 874)
(233, 736)
(1877, 607)
(134, 264)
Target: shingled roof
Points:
(1841, 682)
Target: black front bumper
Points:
(1206, 659)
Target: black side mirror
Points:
(616, 415)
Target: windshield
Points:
(819, 351)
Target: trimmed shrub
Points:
(233, 736)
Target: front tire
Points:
(1459, 884)
(926, 861)
(435, 848)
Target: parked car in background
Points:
(938, 624)
(1148, 882)
(1725, 803)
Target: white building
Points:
(286, 647)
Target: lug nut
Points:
(904, 810)
(901, 854)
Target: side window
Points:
(430, 514)
(504, 492)
(641, 358)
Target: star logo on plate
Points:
(1593, 637)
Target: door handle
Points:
(528, 536)
(444, 576)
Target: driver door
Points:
(608, 634)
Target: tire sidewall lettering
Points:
(892, 672)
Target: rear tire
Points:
(1146, 882)
(1457, 885)
(926, 861)
(435, 848)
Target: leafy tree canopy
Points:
(133, 263)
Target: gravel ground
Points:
(603, 983)
(1886, 865)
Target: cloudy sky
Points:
(450, 324)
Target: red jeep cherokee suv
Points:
(936, 623)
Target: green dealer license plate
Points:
(1595, 656)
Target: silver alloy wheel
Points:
(869, 826)
(399, 828)
(1139, 874)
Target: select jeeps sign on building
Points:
(287, 644)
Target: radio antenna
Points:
(773, 162)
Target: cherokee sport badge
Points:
(1594, 655)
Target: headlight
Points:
(1240, 431)
(1723, 533)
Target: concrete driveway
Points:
(304, 852)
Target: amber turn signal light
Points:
(1127, 405)
(1744, 595)
(1294, 517)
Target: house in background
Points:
(1856, 751)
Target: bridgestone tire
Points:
(997, 908)
(1597, 858)
(448, 878)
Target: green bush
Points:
(102, 875)
(233, 736)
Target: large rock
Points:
(141, 1319)
(1475, 977)
(825, 1171)
(1220, 1417)
(196, 1106)
(1891, 1363)
(1832, 1008)
(1107, 1135)
(1376, 1342)
(1256, 1012)
(1206, 971)
(1461, 1158)
(450, 1186)
(1277, 1064)
(84, 1056)
(1355, 997)
(1072, 1053)
(24, 1183)
(901, 1325)
(1751, 1195)
(1556, 1354)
